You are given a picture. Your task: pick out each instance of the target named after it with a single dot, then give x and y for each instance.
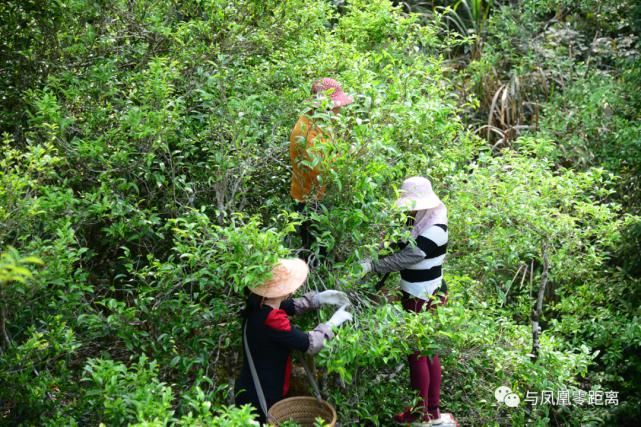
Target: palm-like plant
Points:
(469, 18)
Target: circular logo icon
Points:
(501, 392)
(512, 400)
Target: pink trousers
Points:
(425, 374)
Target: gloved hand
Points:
(339, 317)
(331, 297)
(366, 266)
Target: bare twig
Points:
(3, 328)
(538, 310)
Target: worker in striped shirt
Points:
(422, 284)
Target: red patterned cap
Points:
(339, 98)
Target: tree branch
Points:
(3, 326)
(538, 309)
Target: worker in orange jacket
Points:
(307, 132)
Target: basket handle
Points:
(310, 377)
(257, 386)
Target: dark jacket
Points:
(271, 339)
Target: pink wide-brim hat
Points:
(287, 276)
(416, 194)
(339, 98)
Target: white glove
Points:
(366, 266)
(339, 317)
(331, 297)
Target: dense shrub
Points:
(144, 185)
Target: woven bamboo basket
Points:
(303, 410)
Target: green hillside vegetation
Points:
(144, 184)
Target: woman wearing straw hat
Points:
(269, 337)
(422, 282)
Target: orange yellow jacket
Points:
(304, 136)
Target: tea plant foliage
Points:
(144, 185)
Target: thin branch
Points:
(538, 310)
(3, 326)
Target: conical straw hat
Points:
(287, 276)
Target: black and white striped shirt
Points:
(421, 266)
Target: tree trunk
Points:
(538, 309)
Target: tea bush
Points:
(574, 84)
(145, 184)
